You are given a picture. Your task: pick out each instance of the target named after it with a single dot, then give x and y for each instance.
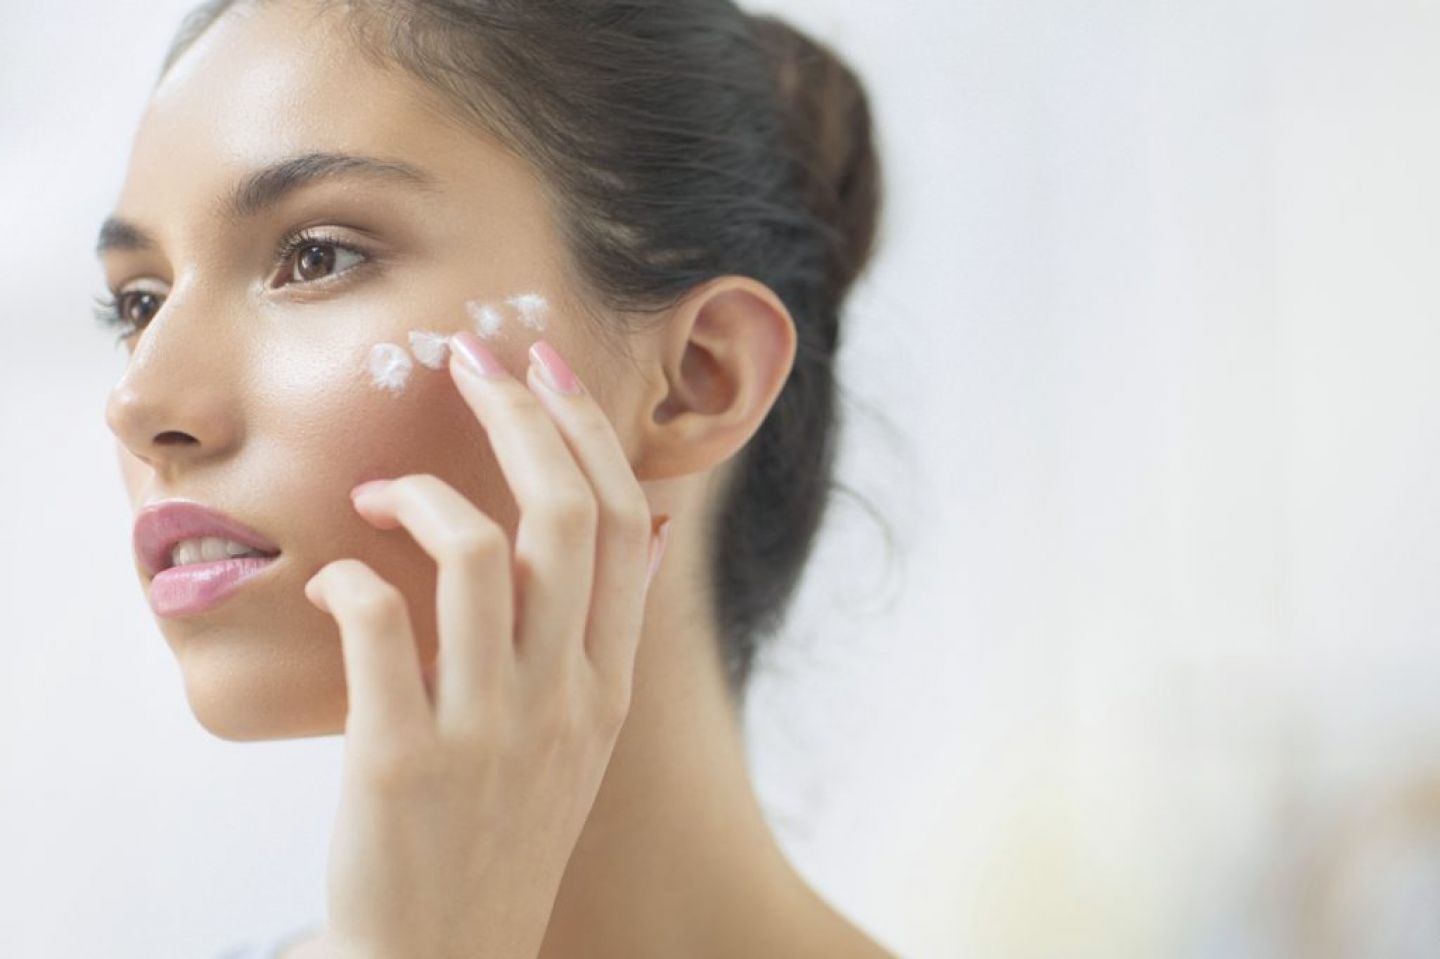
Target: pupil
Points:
(140, 305)
(314, 259)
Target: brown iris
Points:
(315, 260)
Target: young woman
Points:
(445, 321)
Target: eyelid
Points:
(134, 286)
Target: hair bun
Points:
(829, 117)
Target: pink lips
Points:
(180, 590)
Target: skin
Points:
(245, 390)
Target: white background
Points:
(1143, 382)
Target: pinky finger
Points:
(383, 677)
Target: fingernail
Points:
(556, 372)
(657, 548)
(369, 487)
(475, 355)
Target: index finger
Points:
(384, 687)
(555, 539)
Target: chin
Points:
(245, 689)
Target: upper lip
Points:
(159, 526)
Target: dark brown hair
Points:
(680, 140)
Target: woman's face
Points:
(250, 389)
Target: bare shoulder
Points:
(833, 940)
(817, 929)
(821, 930)
(842, 940)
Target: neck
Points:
(676, 854)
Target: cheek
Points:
(319, 427)
(333, 426)
(363, 391)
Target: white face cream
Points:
(429, 348)
(532, 308)
(390, 366)
(486, 318)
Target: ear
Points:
(725, 354)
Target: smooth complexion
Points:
(241, 392)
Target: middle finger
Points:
(473, 592)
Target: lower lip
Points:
(183, 590)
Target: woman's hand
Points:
(465, 792)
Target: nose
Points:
(175, 404)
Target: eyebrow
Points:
(267, 186)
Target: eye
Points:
(317, 257)
(127, 311)
(136, 307)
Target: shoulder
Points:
(818, 929)
(839, 940)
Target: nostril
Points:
(170, 437)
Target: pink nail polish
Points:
(475, 355)
(557, 373)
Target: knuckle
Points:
(394, 765)
(481, 732)
(378, 600)
(629, 523)
(486, 725)
(473, 542)
(558, 716)
(560, 721)
(583, 711)
(418, 482)
(590, 422)
(571, 513)
(515, 402)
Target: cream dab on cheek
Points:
(532, 308)
(486, 318)
(390, 366)
(429, 348)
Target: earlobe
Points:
(725, 355)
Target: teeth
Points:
(208, 549)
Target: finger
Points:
(382, 665)
(473, 593)
(555, 537)
(617, 606)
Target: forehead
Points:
(279, 79)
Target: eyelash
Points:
(107, 308)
